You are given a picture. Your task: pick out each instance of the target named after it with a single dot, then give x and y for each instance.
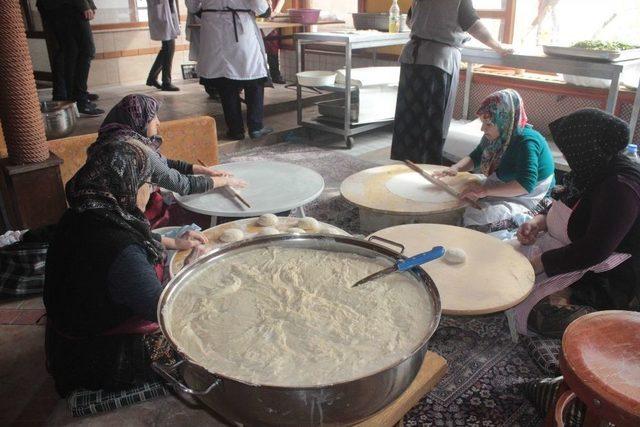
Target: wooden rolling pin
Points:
(441, 184)
(231, 189)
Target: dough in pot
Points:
(309, 224)
(296, 230)
(268, 231)
(231, 235)
(267, 220)
(455, 256)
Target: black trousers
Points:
(72, 59)
(229, 91)
(163, 62)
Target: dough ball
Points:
(296, 230)
(231, 235)
(455, 256)
(309, 224)
(268, 231)
(267, 220)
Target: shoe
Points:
(154, 83)
(277, 78)
(260, 133)
(168, 87)
(93, 96)
(89, 110)
(234, 136)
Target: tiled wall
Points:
(542, 107)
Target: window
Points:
(340, 9)
(565, 22)
(498, 16)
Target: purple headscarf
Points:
(129, 118)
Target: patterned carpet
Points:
(486, 368)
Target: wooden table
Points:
(433, 369)
(272, 187)
(494, 278)
(380, 208)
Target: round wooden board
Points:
(367, 189)
(494, 278)
(250, 228)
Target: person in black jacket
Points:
(67, 22)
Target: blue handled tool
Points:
(405, 264)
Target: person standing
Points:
(232, 58)
(429, 73)
(69, 22)
(272, 47)
(164, 26)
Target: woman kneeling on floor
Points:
(103, 276)
(514, 158)
(135, 118)
(592, 230)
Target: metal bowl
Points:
(256, 404)
(59, 118)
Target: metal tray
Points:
(335, 109)
(591, 54)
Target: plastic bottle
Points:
(394, 17)
(632, 152)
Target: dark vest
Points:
(75, 291)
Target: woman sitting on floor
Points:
(135, 118)
(592, 230)
(103, 276)
(515, 159)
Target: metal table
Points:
(351, 42)
(532, 61)
(554, 64)
(272, 187)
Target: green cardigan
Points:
(527, 160)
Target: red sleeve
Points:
(614, 210)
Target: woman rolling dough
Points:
(514, 158)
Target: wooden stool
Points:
(600, 361)
(433, 369)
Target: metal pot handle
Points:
(167, 372)
(388, 242)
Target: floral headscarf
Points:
(129, 118)
(108, 185)
(506, 110)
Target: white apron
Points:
(193, 36)
(496, 209)
(163, 24)
(555, 237)
(219, 54)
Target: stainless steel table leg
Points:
(467, 91)
(633, 123)
(299, 67)
(347, 95)
(612, 99)
(214, 221)
(299, 212)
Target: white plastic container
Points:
(316, 78)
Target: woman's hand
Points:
(504, 50)
(452, 171)
(474, 191)
(224, 181)
(528, 233)
(203, 170)
(187, 240)
(196, 253)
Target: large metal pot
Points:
(255, 404)
(59, 118)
